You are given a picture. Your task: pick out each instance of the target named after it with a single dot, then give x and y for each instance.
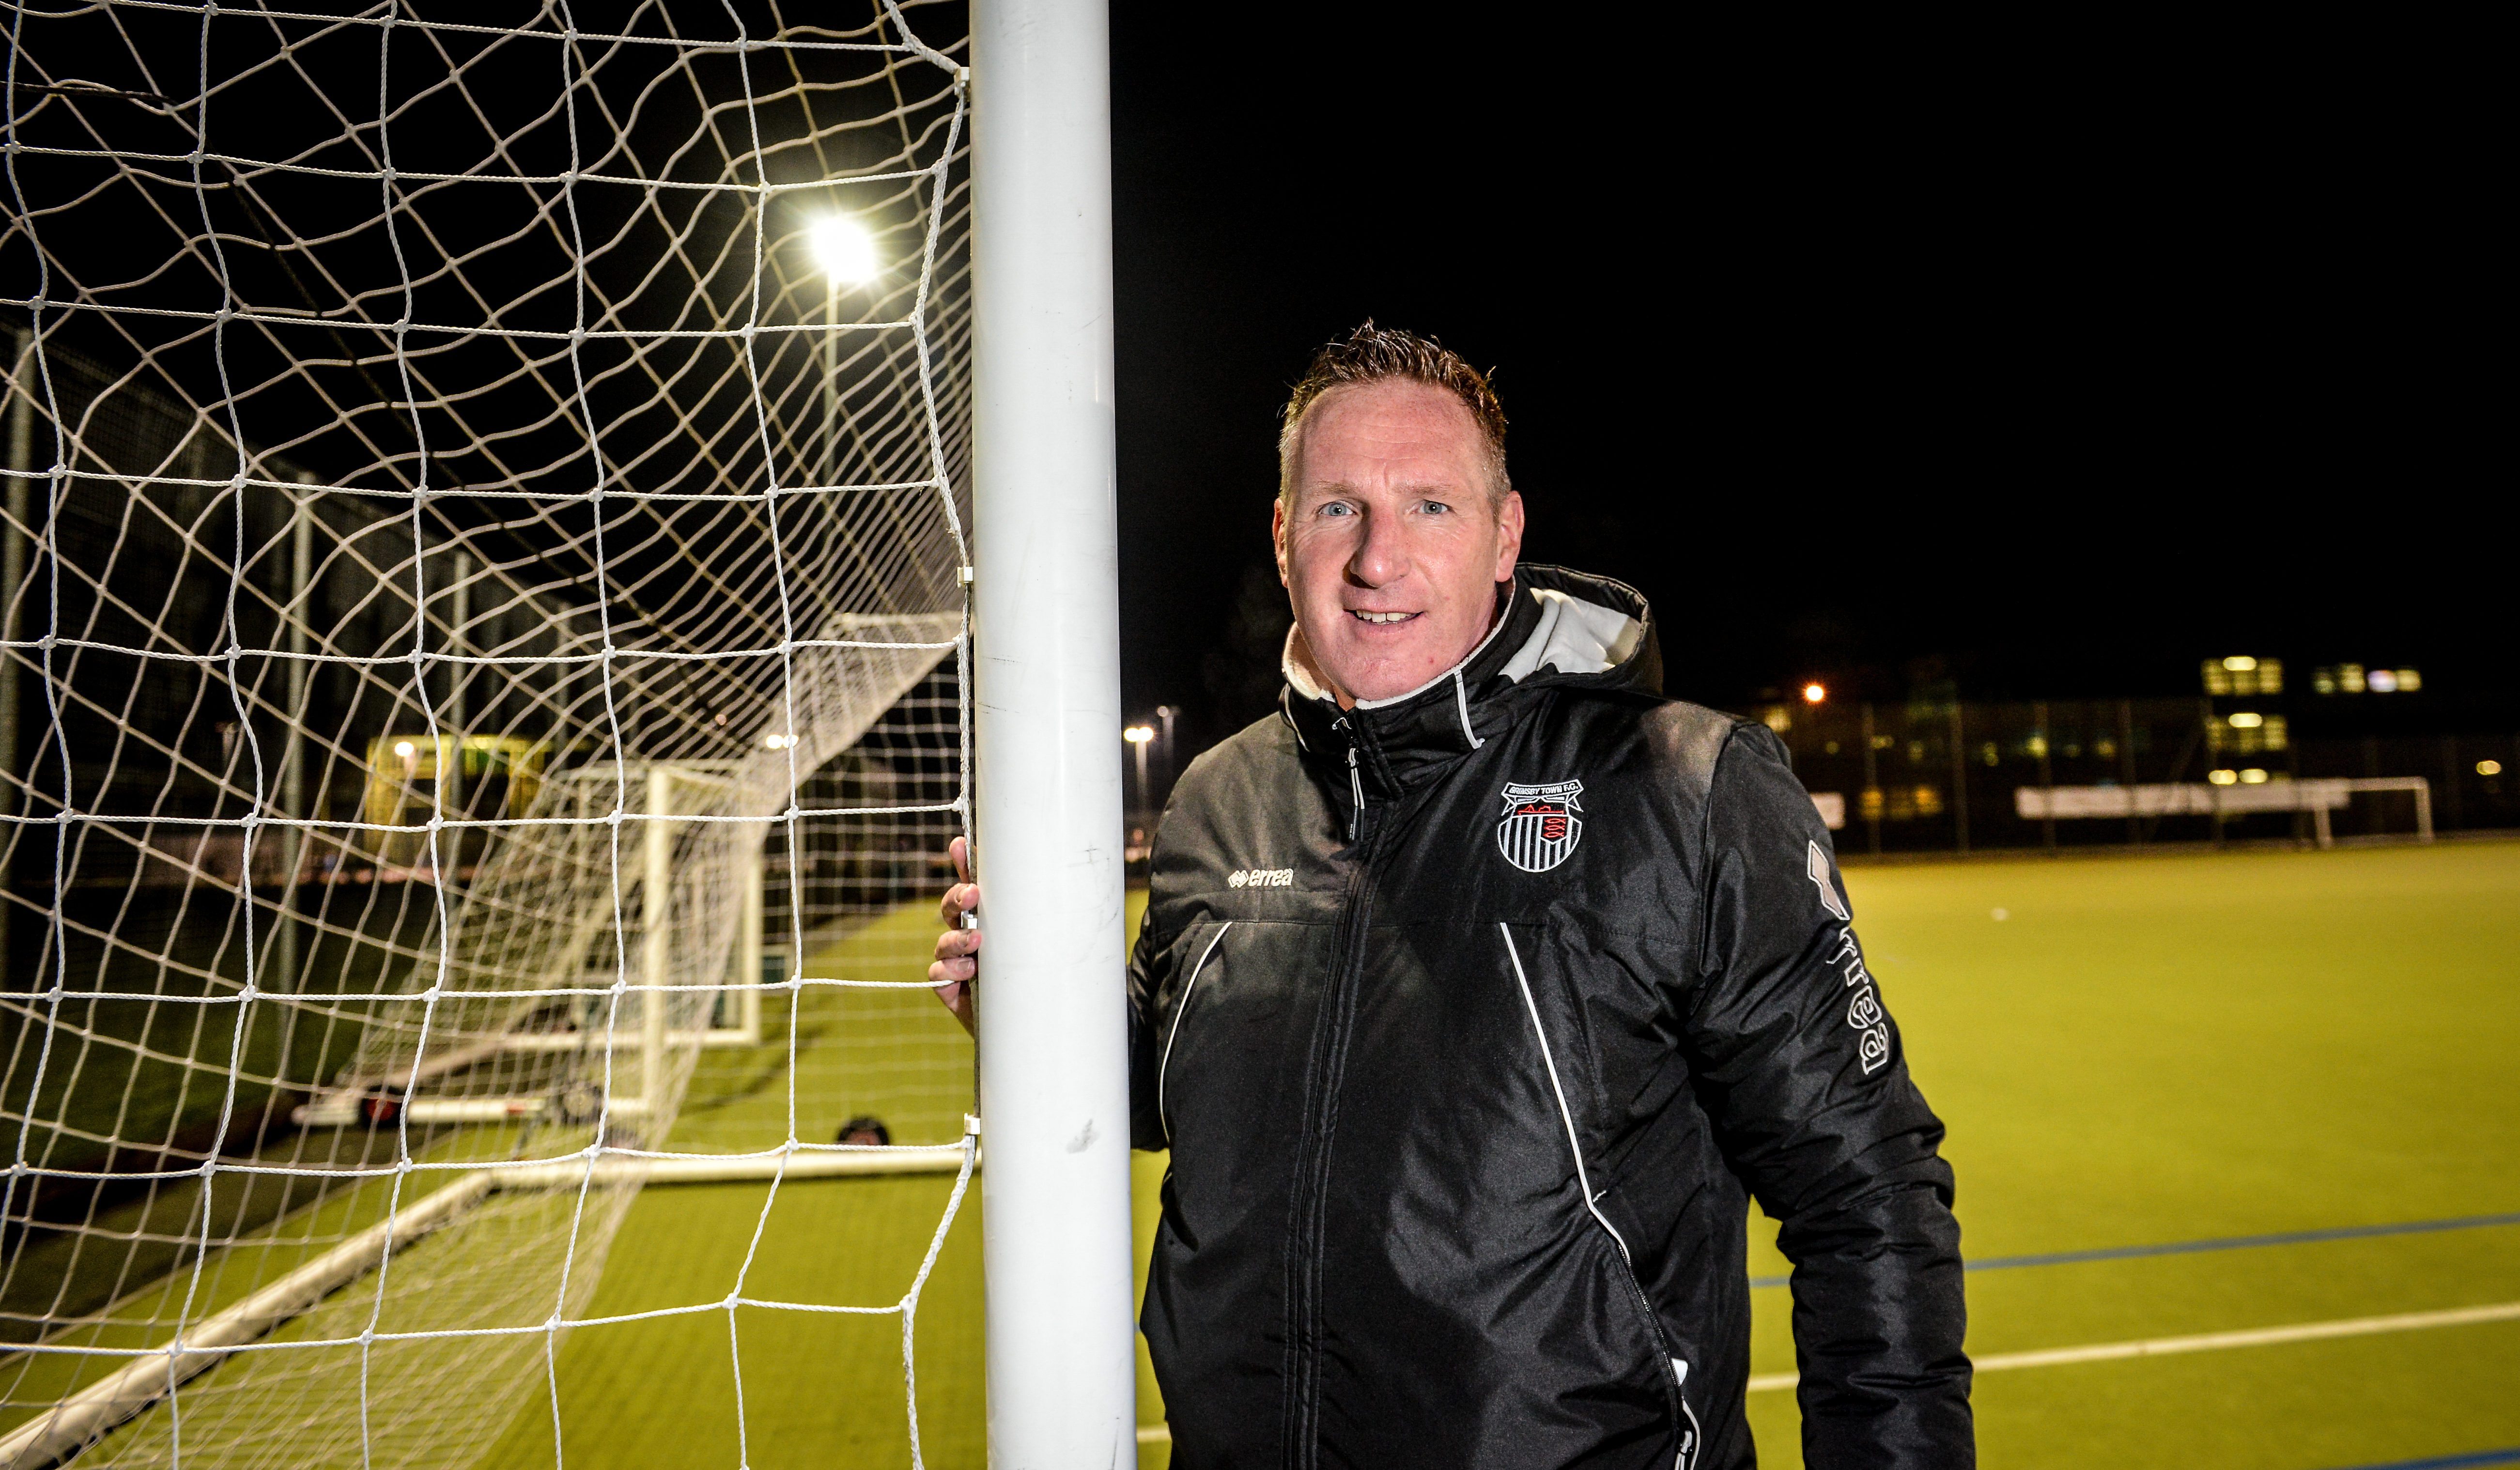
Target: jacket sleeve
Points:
(1804, 1074)
(1146, 962)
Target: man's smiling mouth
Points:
(1382, 617)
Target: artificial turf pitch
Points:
(2142, 1053)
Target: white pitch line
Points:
(2212, 1342)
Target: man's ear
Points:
(1508, 534)
(1278, 536)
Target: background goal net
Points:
(484, 651)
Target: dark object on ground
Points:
(865, 1128)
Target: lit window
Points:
(2488, 768)
(2223, 777)
(2247, 720)
(2253, 776)
(2241, 674)
(2409, 681)
(2348, 678)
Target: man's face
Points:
(1389, 546)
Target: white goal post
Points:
(1054, 1064)
(2320, 796)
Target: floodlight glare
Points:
(842, 249)
(2240, 663)
(404, 748)
(1814, 693)
(1138, 734)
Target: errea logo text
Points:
(1261, 877)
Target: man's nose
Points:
(1381, 556)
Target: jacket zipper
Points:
(1308, 1205)
(1356, 795)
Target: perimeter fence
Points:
(1957, 776)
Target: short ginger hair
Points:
(1383, 355)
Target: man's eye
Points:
(1339, 508)
(1437, 508)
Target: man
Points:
(1478, 993)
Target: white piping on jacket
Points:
(1679, 1368)
(1461, 701)
(1163, 1069)
(1583, 1181)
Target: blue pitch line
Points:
(2453, 1461)
(2226, 1243)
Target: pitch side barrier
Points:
(2317, 798)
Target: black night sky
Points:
(2047, 363)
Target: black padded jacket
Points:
(1473, 1019)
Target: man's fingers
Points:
(958, 1000)
(959, 900)
(955, 971)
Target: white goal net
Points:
(484, 648)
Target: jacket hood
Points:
(1557, 629)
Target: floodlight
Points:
(405, 750)
(1138, 734)
(2488, 768)
(2239, 663)
(2253, 776)
(2247, 720)
(842, 249)
(1814, 693)
(2223, 777)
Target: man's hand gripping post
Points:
(956, 970)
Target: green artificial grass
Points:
(2172, 1048)
(2144, 1051)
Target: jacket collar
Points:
(1556, 629)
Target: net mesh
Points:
(484, 641)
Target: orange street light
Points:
(1812, 693)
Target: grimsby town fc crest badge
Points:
(1540, 827)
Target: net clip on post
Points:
(969, 576)
(970, 1125)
